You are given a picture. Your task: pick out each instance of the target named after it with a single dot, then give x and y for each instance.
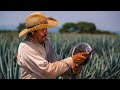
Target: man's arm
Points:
(42, 67)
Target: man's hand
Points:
(80, 57)
(76, 69)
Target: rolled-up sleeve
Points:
(42, 67)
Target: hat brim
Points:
(51, 23)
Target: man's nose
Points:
(46, 31)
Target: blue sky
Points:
(106, 20)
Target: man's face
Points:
(41, 35)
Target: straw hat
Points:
(37, 21)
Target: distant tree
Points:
(98, 31)
(68, 28)
(21, 26)
(82, 27)
(86, 27)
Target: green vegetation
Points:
(8, 47)
(21, 26)
(82, 27)
(105, 63)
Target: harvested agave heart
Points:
(83, 47)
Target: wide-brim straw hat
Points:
(37, 21)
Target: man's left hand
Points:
(76, 69)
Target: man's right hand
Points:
(80, 57)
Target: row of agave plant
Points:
(105, 63)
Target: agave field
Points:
(105, 63)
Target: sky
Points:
(105, 20)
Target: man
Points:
(36, 57)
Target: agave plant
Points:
(105, 63)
